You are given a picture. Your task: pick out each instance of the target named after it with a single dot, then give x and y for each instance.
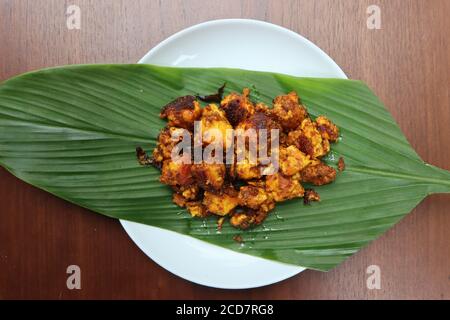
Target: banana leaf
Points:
(73, 130)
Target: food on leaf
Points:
(248, 188)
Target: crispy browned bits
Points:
(341, 164)
(166, 143)
(257, 121)
(196, 209)
(288, 111)
(240, 191)
(209, 176)
(182, 112)
(176, 174)
(237, 107)
(310, 195)
(248, 219)
(238, 238)
(298, 138)
(327, 129)
(222, 202)
(179, 200)
(142, 157)
(319, 174)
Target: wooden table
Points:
(406, 62)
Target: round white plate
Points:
(233, 43)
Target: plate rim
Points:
(193, 28)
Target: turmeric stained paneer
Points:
(247, 189)
(182, 112)
(214, 126)
(288, 111)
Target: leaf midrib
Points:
(404, 176)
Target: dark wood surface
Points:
(406, 62)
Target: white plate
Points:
(234, 43)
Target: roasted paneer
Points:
(318, 174)
(292, 160)
(263, 108)
(310, 195)
(328, 130)
(176, 173)
(248, 218)
(190, 192)
(256, 197)
(283, 188)
(237, 107)
(247, 168)
(165, 145)
(209, 176)
(182, 112)
(243, 180)
(288, 111)
(249, 164)
(308, 139)
(258, 121)
(221, 203)
(196, 209)
(214, 126)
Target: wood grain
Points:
(406, 63)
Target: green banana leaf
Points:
(73, 132)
